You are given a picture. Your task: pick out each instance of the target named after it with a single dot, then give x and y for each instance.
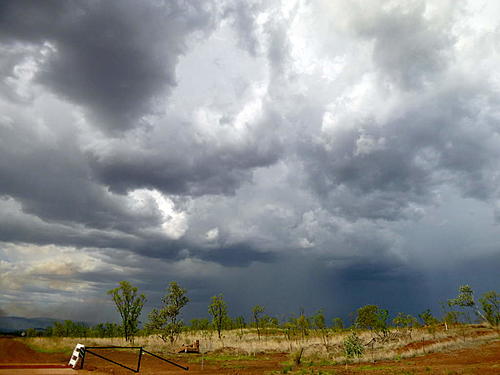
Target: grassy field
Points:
(466, 349)
(316, 347)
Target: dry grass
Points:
(397, 346)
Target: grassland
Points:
(464, 349)
(317, 347)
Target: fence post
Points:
(139, 362)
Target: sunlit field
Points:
(316, 345)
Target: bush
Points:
(353, 346)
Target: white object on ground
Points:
(77, 354)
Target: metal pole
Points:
(139, 361)
(110, 360)
(166, 360)
(83, 358)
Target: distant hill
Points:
(16, 324)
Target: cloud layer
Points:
(283, 151)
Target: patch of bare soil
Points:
(15, 351)
(150, 365)
(481, 360)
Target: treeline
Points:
(69, 328)
(165, 321)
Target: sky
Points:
(293, 154)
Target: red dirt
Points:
(14, 351)
(482, 359)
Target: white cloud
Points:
(212, 234)
(174, 222)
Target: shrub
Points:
(353, 346)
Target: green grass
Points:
(233, 365)
(54, 348)
(289, 371)
(226, 357)
(374, 368)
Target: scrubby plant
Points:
(165, 321)
(427, 318)
(257, 310)
(490, 303)
(373, 318)
(353, 346)
(218, 310)
(320, 324)
(464, 300)
(337, 324)
(406, 322)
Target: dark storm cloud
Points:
(51, 179)
(19, 228)
(176, 159)
(106, 57)
(372, 270)
(270, 205)
(238, 255)
(16, 227)
(204, 170)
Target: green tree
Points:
(319, 320)
(129, 304)
(303, 324)
(465, 300)
(165, 321)
(337, 324)
(218, 310)
(406, 322)
(373, 318)
(257, 310)
(33, 332)
(268, 321)
(320, 324)
(366, 317)
(427, 318)
(451, 317)
(58, 329)
(200, 324)
(490, 303)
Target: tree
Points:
(451, 317)
(319, 319)
(240, 324)
(465, 300)
(405, 321)
(373, 318)
(200, 324)
(268, 321)
(129, 305)
(366, 317)
(337, 324)
(218, 310)
(164, 322)
(320, 323)
(427, 318)
(303, 324)
(256, 311)
(490, 303)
